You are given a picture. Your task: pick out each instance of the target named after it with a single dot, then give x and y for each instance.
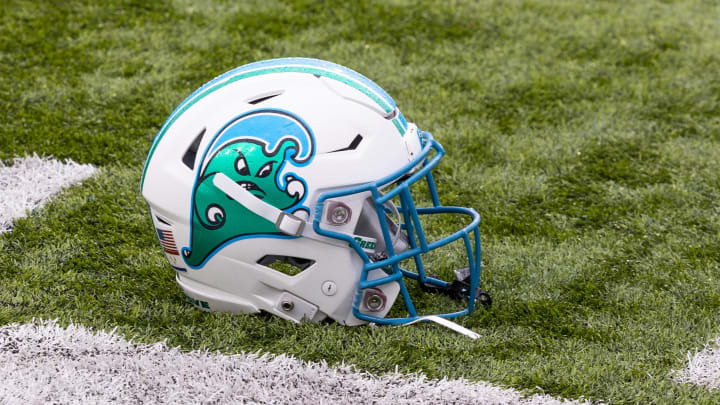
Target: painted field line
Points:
(43, 362)
(31, 181)
(703, 367)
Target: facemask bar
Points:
(418, 244)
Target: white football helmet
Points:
(284, 186)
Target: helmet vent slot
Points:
(264, 97)
(163, 220)
(286, 264)
(353, 144)
(189, 157)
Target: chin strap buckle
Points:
(459, 288)
(289, 224)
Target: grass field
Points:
(586, 134)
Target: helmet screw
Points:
(339, 213)
(329, 288)
(287, 306)
(375, 300)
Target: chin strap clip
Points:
(459, 288)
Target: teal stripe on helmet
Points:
(317, 63)
(399, 126)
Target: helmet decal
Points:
(253, 150)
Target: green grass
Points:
(587, 135)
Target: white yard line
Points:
(43, 362)
(30, 182)
(703, 367)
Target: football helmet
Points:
(289, 186)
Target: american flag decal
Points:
(167, 241)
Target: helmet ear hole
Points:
(288, 265)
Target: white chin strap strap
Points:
(288, 224)
(448, 324)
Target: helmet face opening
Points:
(284, 186)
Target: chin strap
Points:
(448, 324)
(288, 224)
